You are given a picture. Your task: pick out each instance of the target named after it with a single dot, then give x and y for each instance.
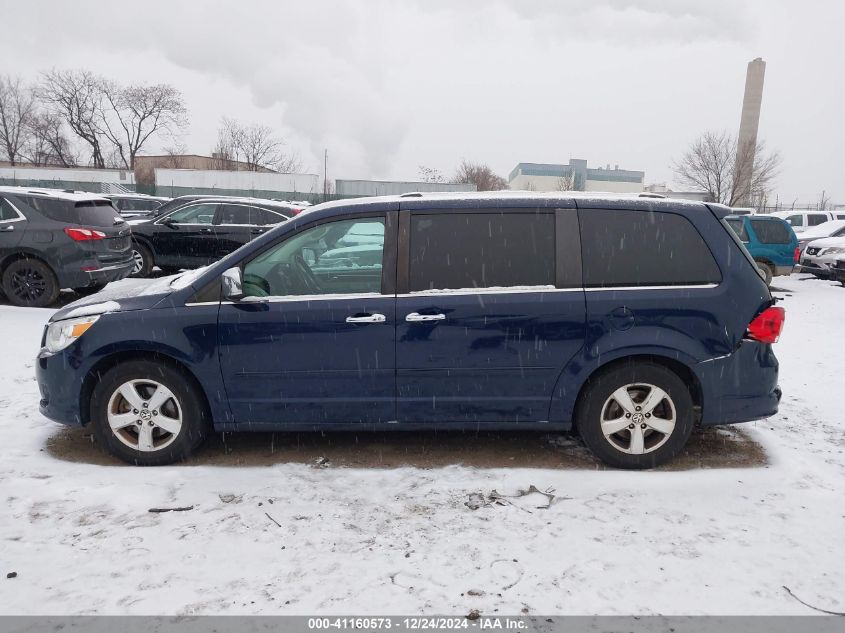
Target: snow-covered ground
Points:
(400, 539)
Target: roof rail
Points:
(412, 194)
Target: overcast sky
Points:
(387, 86)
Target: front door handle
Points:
(255, 231)
(7, 229)
(367, 318)
(416, 317)
(205, 230)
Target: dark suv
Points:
(51, 240)
(629, 320)
(201, 231)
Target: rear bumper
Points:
(741, 386)
(100, 273)
(784, 270)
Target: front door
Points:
(312, 342)
(12, 226)
(185, 238)
(490, 310)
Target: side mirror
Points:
(233, 285)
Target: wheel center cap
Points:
(637, 418)
(146, 415)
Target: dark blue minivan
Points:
(628, 319)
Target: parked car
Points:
(838, 271)
(833, 228)
(820, 256)
(202, 231)
(133, 205)
(630, 320)
(51, 240)
(770, 241)
(800, 221)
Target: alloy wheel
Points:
(145, 415)
(138, 259)
(638, 418)
(28, 284)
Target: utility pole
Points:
(325, 175)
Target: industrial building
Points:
(575, 176)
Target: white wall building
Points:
(575, 176)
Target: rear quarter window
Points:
(643, 248)
(771, 231)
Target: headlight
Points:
(836, 250)
(62, 333)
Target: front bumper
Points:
(60, 377)
(818, 265)
(740, 387)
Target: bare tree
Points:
(480, 175)
(431, 174)
(17, 107)
(824, 201)
(566, 182)
(134, 114)
(715, 164)
(255, 145)
(175, 155)
(76, 96)
(48, 144)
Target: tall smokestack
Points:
(748, 124)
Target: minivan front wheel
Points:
(637, 415)
(148, 413)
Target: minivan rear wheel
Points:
(30, 283)
(637, 415)
(148, 413)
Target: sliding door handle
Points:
(416, 317)
(366, 318)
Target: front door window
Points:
(342, 257)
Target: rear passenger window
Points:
(643, 248)
(771, 232)
(481, 250)
(796, 220)
(237, 214)
(814, 219)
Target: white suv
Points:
(820, 255)
(802, 220)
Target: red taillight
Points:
(766, 326)
(797, 255)
(84, 235)
(296, 211)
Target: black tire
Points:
(768, 271)
(661, 446)
(175, 447)
(143, 255)
(170, 270)
(30, 283)
(89, 290)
